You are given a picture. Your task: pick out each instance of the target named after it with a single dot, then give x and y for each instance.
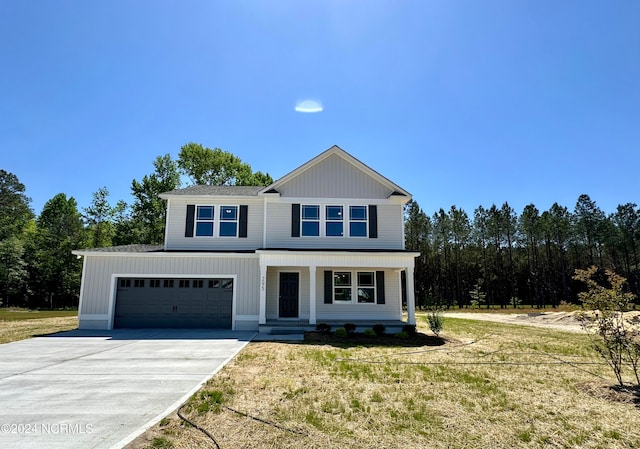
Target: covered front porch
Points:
(300, 288)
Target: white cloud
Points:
(309, 105)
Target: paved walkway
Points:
(101, 389)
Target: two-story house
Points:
(325, 243)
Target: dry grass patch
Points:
(14, 330)
(494, 385)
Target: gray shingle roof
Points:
(127, 249)
(217, 190)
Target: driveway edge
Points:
(173, 407)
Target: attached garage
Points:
(174, 303)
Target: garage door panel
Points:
(174, 303)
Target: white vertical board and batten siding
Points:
(99, 270)
(334, 178)
(177, 217)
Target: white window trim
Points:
(303, 220)
(217, 220)
(236, 221)
(354, 287)
(365, 221)
(346, 220)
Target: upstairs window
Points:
(204, 221)
(228, 221)
(310, 221)
(334, 221)
(357, 221)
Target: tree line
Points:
(37, 269)
(497, 257)
(494, 257)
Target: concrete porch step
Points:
(284, 330)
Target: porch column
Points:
(312, 294)
(411, 300)
(262, 317)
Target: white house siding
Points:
(334, 177)
(390, 310)
(390, 228)
(177, 216)
(273, 280)
(98, 282)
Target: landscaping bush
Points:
(370, 333)
(350, 328)
(409, 329)
(341, 332)
(434, 318)
(379, 329)
(323, 327)
(614, 337)
(402, 335)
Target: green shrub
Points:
(402, 335)
(370, 333)
(379, 329)
(350, 328)
(434, 318)
(323, 327)
(409, 329)
(341, 332)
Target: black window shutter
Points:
(328, 287)
(380, 287)
(191, 213)
(242, 225)
(373, 221)
(295, 220)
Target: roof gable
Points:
(335, 174)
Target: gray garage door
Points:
(174, 303)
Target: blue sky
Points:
(459, 102)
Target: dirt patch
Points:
(629, 394)
(564, 321)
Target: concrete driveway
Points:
(101, 389)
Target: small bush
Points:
(409, 329)
(379, 329)
(434, 318)
(402, 335)
(341, 332)
(323, 327)
(370, 333)
(350, 328)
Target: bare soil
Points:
(564, 321)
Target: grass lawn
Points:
(19, 324)
(491, 386)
